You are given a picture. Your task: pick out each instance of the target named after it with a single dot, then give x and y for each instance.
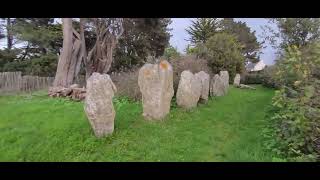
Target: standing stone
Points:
(98, 103)
(236, 81)
(224, 75)
(156, 85)
(217, 86)
(205, 83)
(189, 90)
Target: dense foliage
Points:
(41, 40)
(250, 46)
(171, 53)
(295, 132)
(223, 52)
(293, 31)
(266, 77)
(142, 37)
(202, 29)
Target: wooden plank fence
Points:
(15, 82)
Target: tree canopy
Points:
(202, 29)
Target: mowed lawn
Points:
(38, 128)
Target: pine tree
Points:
(202, 29)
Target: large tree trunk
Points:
(9, 34)
(100, 56)
(70, 57)
(74, 51)
(63, 68)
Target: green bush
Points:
(269, 77)
(171, 53)
(252, 78)
(223, 52)
(45, 65)
(295, 124)
(127, 84)
(266, 77)
(7, 56)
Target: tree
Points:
(141, 37)
(40, 40)
(223, 52)
(41, 35)
(64, 68)
(100, 57)
(7, 25)
(293, 31)
(247, 39)
(74, 49)
(2, 35)
(171, 53)
(202, 29)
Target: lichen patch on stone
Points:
(163, 65)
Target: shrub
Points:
(269, 77)
(171, 53)
(223, 52)
(46, 65)
(252, 78)
(266, 77)
(296, 108)
(127, 84)
(188, 63)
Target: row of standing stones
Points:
(156, 85)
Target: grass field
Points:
(38, 128)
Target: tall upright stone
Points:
(189, 90)
(236, 81)
(205, 83)
(217, 86)
(98, 103)
(224, 75)
(156, 85)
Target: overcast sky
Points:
(180, 36)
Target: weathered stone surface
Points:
(236, 81)
(243, 86)
(217, 86)
(98, 103)
(205, 83)
(189, 90)
(224, 75)
(74, 86)
(156, 85)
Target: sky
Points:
(179, 35)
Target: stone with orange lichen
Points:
(156, 85)
(164, 65)
(147, 72)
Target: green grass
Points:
(38, 128)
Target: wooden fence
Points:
(15, 82)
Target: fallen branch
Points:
(73, 92)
